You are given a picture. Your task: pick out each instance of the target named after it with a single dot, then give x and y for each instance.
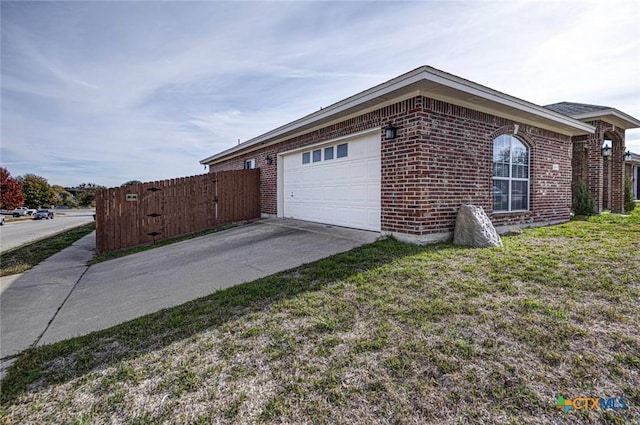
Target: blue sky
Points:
(106, 92)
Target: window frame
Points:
(328, 149)
(318, 155)
(510, 179)
(250, 164)
(346, 153)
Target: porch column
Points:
(617, 176)
(579, 164)
(595, 169)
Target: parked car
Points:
(17, 212)
(40, 214)
(1, 220)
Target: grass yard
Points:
(386, 333)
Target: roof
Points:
(585, 112)
(426, 81)
(571, 108)
(635, 158)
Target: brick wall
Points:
(441, 159)
(579, 163)
(597, 177)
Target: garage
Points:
(334, 183)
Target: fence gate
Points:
(153, 217)
(146, 213)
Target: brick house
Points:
(603, 170)
(632, 169)
(401, 157)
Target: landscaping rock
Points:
(474, 228)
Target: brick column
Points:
(617, 175)
(579, 163)
(606, 183)
(595, 167)
(596, 172)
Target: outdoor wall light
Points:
(389, 132)
(269, 160)
(627, 155)
(606, 151)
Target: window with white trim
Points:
(250, 164)
(330, 152)
(510, 174)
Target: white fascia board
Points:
(475, 89)
(336, 108)
(627, 120)
(404, 81)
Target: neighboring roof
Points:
(425, 81)
(585, 112)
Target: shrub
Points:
(583, 203)
(629, 203)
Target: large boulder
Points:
(474, 228)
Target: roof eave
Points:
(612, 116)
(433, 83)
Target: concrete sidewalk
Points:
(31, 301)
(62, 298)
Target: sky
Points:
(107, 92)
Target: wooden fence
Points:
(142, 214)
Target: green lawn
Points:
(386, 333)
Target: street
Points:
(18, 233)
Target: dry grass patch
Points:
(386, 333)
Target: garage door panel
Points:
(358, 170)
(373, 170)
(340, 191)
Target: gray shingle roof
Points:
(570, 108)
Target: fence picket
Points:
(172, 208)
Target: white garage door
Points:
(337, 183)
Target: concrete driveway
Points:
(62, 298)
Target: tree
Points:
(64, 197)
(86, 194)
(629, 203)
(583, 203)
(37, 192)
(131, 182)
(10, 191)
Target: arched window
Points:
(510, 174)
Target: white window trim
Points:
(251, 162)
(512, 179)
(336, 141)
